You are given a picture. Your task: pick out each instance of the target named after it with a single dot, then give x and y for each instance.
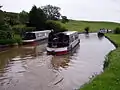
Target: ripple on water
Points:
(30, 68)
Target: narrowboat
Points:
(101, 32)
(32, 37)
(62, 43)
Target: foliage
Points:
(117, 30)
(87, 29)
(23, 17)
(18, 39)
(6, 34)
(20, 29)
(52, 12)
(1, 17)
(37, 18)
(56, 26)
(11, 18)
(0, 6)
(7, 41)
(64, 19)
(5, 27)
(6, 31)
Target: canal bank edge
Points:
(109, 79)
(107, 61)
(115, 44)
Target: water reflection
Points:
(100, 37)
(87, 35)
(60, 61)
(30, 68)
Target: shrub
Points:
(7, 41)
(6, 34)
(64, 19)
(18, 39)
(56, 26)
(20, 29)
(5, 27)
(87, 29)
(117, 30)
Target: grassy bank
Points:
(115, 38)
(110, 78)
(94, 26)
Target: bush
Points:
(20, 29)
(7, 41)
(56, 26)
(6, 34)
(5, 27)
(87, 29)
(7, 38)
(64, 19)
(117, 30)
(18, 39)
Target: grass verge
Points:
(110, 78)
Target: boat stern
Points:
(57, 51)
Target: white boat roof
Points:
(69, 32)
(41, 31)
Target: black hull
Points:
(100, 34)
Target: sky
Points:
(91, 10)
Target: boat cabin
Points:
(63, 41)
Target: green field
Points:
(110, 78)
(94, 26)
(115, 38)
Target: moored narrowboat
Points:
(33, 37)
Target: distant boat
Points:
(63, 42)
(31, 37)
(101, 32)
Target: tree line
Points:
(38, 18)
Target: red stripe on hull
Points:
(30, 43)
(58, 53)
(62, 53)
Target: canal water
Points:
(30, 68)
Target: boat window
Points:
(66, 39)
(58, 40)
(29, 36)
(73, 38)
(76, 36)
(40, 34)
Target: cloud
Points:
(76, 9)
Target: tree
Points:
(117, 30)
(87, 30)
(11, 18)
(37, 18)
(64, 19)
(23, 17)
(0, 6)
(52, 12)
(1, 16)
(56, 26)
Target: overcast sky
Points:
(102, 10)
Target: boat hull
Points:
(60, 51)
(34, 41)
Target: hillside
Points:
(94, 26)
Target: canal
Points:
(30, 68)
